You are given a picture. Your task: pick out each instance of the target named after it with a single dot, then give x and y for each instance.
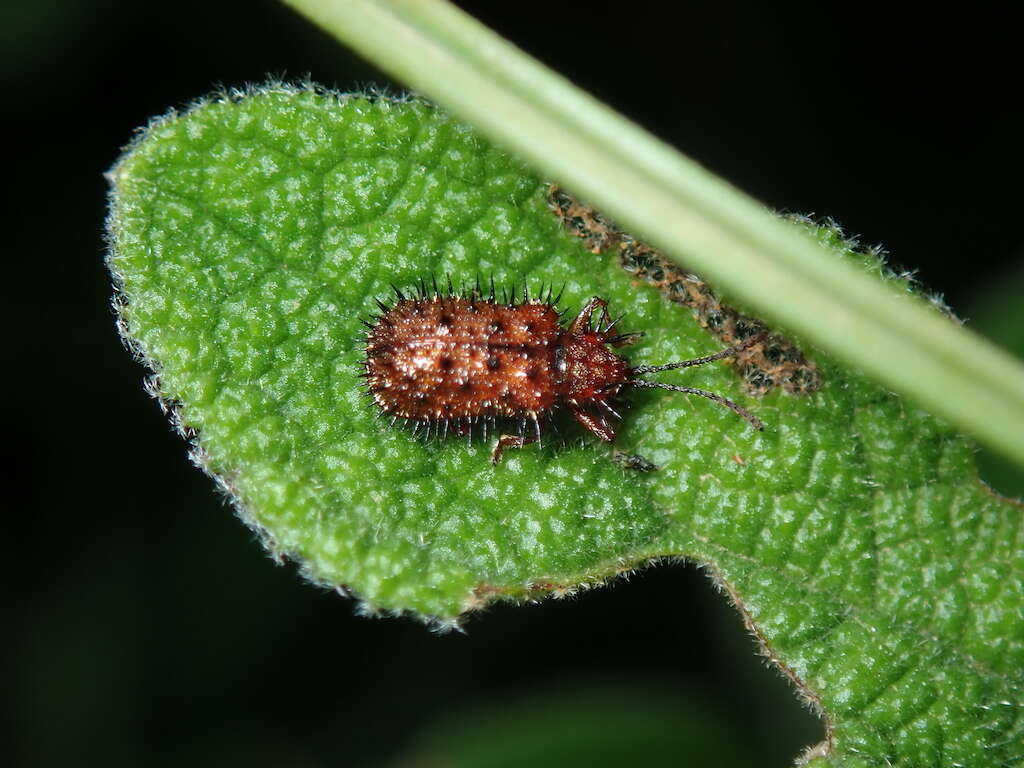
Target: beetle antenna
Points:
(755, 422)
(730, 352)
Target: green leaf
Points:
(249, 237)
(666, 198)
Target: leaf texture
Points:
(251, 234)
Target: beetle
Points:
(447, 362)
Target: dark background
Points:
(144, 624)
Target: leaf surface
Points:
(250, 236)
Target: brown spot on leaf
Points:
(771, 363)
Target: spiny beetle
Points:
(446, 362)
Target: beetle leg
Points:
(510, 441)
(624, 338)
(581, 324)
(592, 423)
(516, 441)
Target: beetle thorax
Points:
(587, 369)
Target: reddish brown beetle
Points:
(446, 363)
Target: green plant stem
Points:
(653, 190)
